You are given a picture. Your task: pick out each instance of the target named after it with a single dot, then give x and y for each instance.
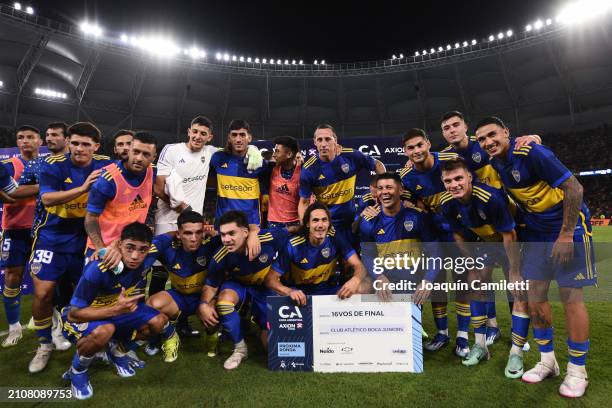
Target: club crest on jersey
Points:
(517, 175)
(408, 225)
(477, 157)
(345, 168)
(81, 326)
(201, 260)
(35, 267)
(325, 252)
(203, 159)
(263, 258)
(482, 214)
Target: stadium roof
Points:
(556, 79)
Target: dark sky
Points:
(338, 31)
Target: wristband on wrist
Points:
(203, 302)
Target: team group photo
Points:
(181, 226)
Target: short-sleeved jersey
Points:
(100, 287)
(62, 226)
(478, 163)
(404, 233)
(237, 267)
(305, 264)
(532, 176)
(487, 214)
(192, 168)
(105, 188)
(237, 188)
(7, 183)
(366, 200)
(187, 269)
(428, 186)
(333, 183)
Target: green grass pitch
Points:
(196, 380)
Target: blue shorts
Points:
(88, 253)
(16, 247)
(319, 289)
(494, 254)
(281, 225)
(45, 264)
(537, 264)
(257, 296)
(126, 324)
(187, 304)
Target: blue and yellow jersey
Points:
(532, 176)
(301, 263)
(478, 163)
(237, 267)
(487, 214)
(187, 269)
(405, 233)
(61, 227)
(237, 188)
(333, 183)
(428, 186)
(100, 287)
(7, 183)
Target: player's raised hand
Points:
(370, 211)
(112, 257)
(422, 293)
(298, 297)
(563, 249)
(349, 288)
(93, 176)
(127, 304)
(208, 315)
(526, 140)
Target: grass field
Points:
(196, 380)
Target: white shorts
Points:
(164, 228)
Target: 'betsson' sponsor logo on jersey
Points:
(331, 196)
(195, 178)
(230, 187)
(75, 206)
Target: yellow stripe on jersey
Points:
(109, 300)
(256, 278)
(55, 159)
(489, 176)
(101, 157)
(321, 273)
(220, 254)
(446, 149)
(188, 285)
(367, 197)
(75, 208)
(447, 156)
(336, 193)
(405, 171)
(538, 197)
(487, 233)
(347, 150)
(310, 162)
(433, 201)
(241, 188)
(445, 197)
(297, 241)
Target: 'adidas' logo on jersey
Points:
(304, 261)
(182, 161)
(418, 187)
(380, 232)
(68, 180)
(137, 203)
(284, 189)
(321, 177)
(224, 166)
(580, 276)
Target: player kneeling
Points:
(107, 307)
(309, 261)
(187, 258)
(239, 281)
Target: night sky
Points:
(337, 31)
